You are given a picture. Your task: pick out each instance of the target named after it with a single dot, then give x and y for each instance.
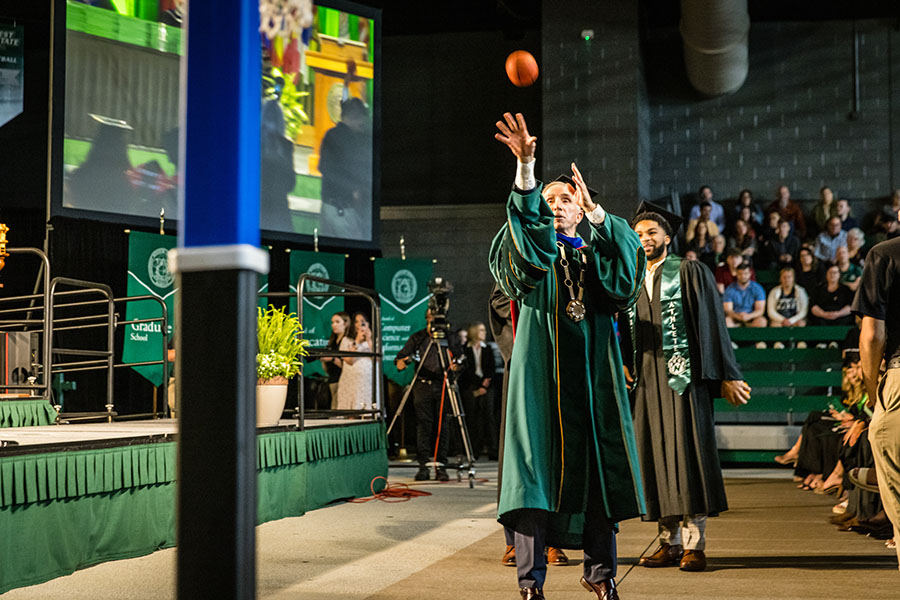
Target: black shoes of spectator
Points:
(422, 474)
(442, 474)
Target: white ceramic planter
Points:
(270, 400)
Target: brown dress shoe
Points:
(605, 590)
(532, 593)
(665, 556)
(693, 560)
(509, 559)
(555, 556)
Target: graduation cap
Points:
(569, 181)
(117, 123)
(672, 222)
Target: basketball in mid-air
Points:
(521, 68)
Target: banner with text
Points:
(12, 72)
(403, 288)
(317, 310)
(148, 274)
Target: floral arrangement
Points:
(280, 346)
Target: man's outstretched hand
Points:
(584, 197)
(514, 133)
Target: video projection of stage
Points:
(319, 111)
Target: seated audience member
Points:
(830, 303)
(843, 213)
(789, 210)
(702, 241)
(716, 255)
(856, 245)
(745, 200)
(744, 239)
(691, 255)
(705, 217)
(828, 241)
(744, 301)
(726, 273)
(788, 303)
(809, 273)
(850, 272)
(770, 227)
(782, 250)
(717, 213)
(891, 209)
(886, 228)
(825, 208)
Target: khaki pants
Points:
(884, 436)
(694, 537)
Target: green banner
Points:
(317, 310)
(403, 288)
(12, 72)
(148, 274)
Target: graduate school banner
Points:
(403, 288)
(317, 310)
(148, 274)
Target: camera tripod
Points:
(439, 343)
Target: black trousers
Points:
(427, 402)
(599, 538)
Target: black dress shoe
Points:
(442, 474)
(532, 593)
(605, 590)
(422, 474)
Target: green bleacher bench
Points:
(767, 277)
(787, 383)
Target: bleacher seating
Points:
(787, 384)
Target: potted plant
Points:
(278, 359)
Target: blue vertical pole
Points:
(217, 262)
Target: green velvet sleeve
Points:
(620, 258)
(524, 249)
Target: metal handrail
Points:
(346, 289)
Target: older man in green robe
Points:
(570, 468)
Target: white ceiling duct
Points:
(715, 35)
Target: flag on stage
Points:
(317, 310)
(403, 288)
(148, 275)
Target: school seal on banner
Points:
(158, 268)
(404, 286)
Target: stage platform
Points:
(76, 495)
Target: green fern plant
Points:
(280, 345)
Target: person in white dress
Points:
(355, 389)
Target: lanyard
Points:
(575, 309)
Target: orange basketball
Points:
(521, 68)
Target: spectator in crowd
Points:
(744, 239)
(746, 215)
(340, 323)
(886, 228)
(475, 384)
(704, 217)
(702, 241)
(825, 208)
(726, 274)
(850, 272)
(892, 208)
(716, 255)
(744, 301)
(829, 240)
(844, 214)
(770, 227)
(745, 200)
(717, 213)
(809, 273)
(691, 255)
(788, 303)
(789, 210)
(856, 245)
(782, 250)
(830, 303)
(356, 391)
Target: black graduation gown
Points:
(675, 434)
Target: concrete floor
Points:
(775, 542)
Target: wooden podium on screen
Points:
(330, 67)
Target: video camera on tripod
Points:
(439, 305)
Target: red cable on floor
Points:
(392, 492)
(440, 424)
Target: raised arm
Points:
(524, 249)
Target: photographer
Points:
(426, 396)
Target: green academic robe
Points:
(568, 419)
